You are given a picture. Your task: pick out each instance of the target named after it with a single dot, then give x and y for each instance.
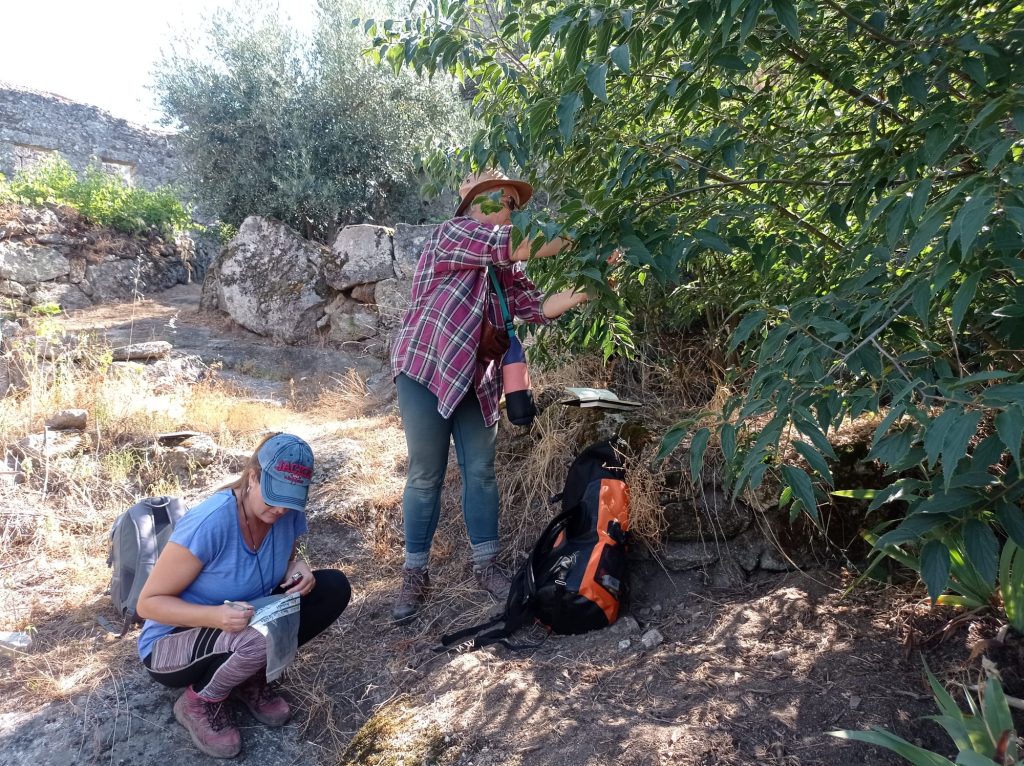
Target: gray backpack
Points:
(136, 539)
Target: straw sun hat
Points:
(478, 183)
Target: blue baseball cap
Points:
(286, 468)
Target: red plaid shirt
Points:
(436, 345)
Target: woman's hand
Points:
(233, 617)
(306, 581)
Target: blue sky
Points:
(101, 51)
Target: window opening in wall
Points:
(124, 170)
(27, 156)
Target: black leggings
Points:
(317, 610)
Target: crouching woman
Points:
(236, 546)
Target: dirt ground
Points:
(755, 675)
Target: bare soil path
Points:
(749, 676)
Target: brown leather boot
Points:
(209, 725)
(266, 705)
(414, 591)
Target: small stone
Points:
(68, 419)
(626, 624)
(624, 644)
(157, 349)
(652, 638)
(13, 643)
(49, 444)
(781, 654)
(854, 702)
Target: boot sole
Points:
(195, 740)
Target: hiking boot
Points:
(414, 591)
(209, 725)
(491, 579)
(266, 705)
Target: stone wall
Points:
(49, 255)
(34, 125)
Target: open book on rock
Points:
(597, 397)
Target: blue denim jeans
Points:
(428, 436)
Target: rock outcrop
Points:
(276, 283)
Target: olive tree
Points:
(303, 129)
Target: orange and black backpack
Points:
(574, 579)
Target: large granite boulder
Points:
(409, 241)
(25, 263)
(269, 281)
(360, 255)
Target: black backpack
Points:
(574, 579)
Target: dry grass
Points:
(54, 525)
(362, 464)
(339, 398)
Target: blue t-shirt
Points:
(212, 532)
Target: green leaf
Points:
(746, 327)
(956, 500)
(916, 755)
(982, 549)
(855, 494)
(596, 75)
(996, 710)
(1010, 427)
(566, 114)
(972, 758)
(785, 10)
(935, 568)
(1011, 518)
(802, 489)
(970, 218)
(962, 299)
(892, 447)
(728, 438)
(1004, 393)
(620, 57)
(697, 447)
(815, 461)
(916, 87)
(712, 241)
(955, 446)
(935, 437)
(576, 43)
(750, 17)
(671, 440)
(910, 530)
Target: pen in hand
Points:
(236, 605)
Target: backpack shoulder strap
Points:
(512, 618)
(506, 317)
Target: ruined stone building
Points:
(34, 124)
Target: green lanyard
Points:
(501, 300)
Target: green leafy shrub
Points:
(842, 211)
(102, 198)
(1011, 583)
(984, 735)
